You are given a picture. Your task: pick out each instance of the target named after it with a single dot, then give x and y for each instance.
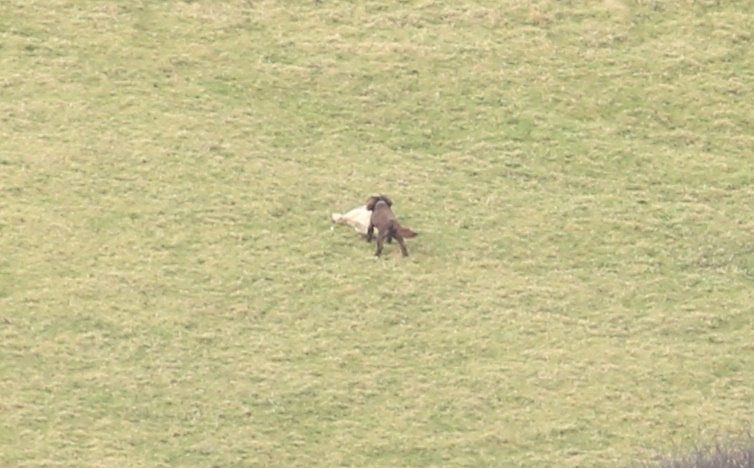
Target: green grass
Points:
(172, 294)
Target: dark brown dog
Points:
(386, 223)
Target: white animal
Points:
(358, 218)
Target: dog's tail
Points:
(407, 233)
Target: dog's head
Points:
(373, 200)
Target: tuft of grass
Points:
(721, 455)
(171, 291)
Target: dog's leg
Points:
(402, 243)
(380, 243)
(370, 232)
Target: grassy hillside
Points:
(172, 293)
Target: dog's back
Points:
(386, 216)
(382, 215)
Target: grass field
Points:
(172, 293)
